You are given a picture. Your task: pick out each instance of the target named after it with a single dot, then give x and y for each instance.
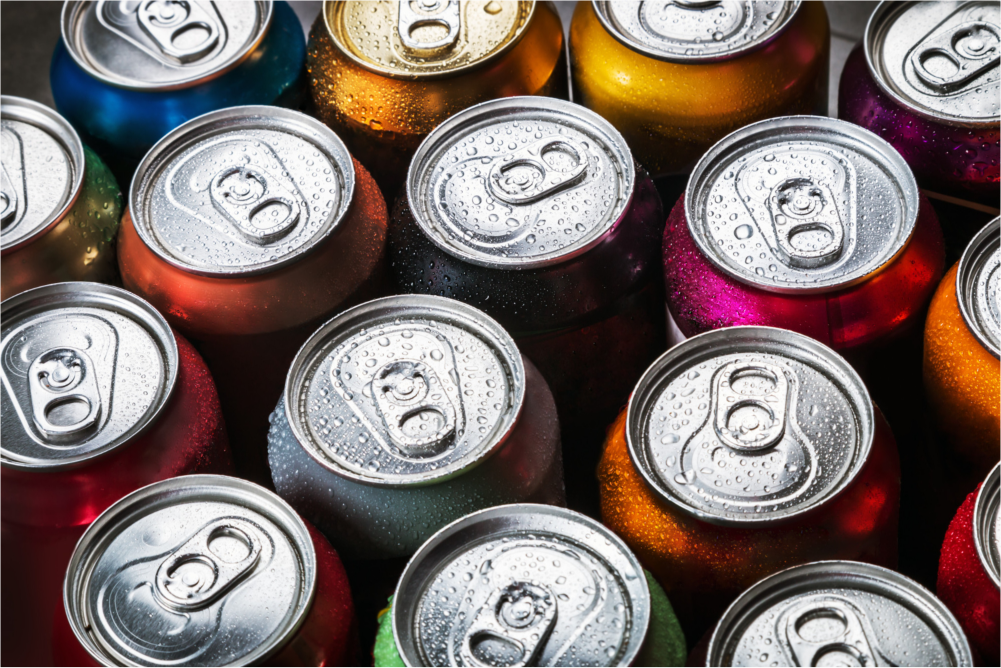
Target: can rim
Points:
(127, 304)
(409, 578)
(234, 490)
(643, 396)
(704, 169)
(474, 320)
(987, 500)
(41, 116)
(478, 113)
(71, 13)
(976, 251)
(807, 574)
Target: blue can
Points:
(126, 73)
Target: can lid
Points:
(162, 44)
(41, 171)
(405, 390)
(241, 191)
(938, 59)
(200, 570)
(801, 204)
(520, 182)
(977, 282)
(749, 425)
(85, 367)
(838, 613)
(521, 585)
(985, 525)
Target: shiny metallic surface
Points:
(985, 525)
(977, 286)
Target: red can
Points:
(100, 398)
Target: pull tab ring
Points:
(521, 615)
(798, 206)
(240, 193)
(65, 401)
(537, 179)
(164, 21)
(445, 13)
(750, 418)
(971, 48)
(407, 390)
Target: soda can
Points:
(248, 227)
(805, 223)
(60, 204)
(205, 570)
(99, 399)
(385, 75)
(404, 414)
(674, 78)
(125, 74)
(744, 451)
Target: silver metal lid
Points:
(522, 585)
(85, 367)
(200, 570)
(749, 425)
(801, 204)
(242, 190)
(838, 613)
(939, 59)
(977, 282)
(985, 525)
(162, 44)
(405, 390)
(520, 182)
(695, 31)
(41, 170)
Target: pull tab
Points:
(825, 631)
(241, 193)
(11, 183)
(65, 401)
(751, 404)
(166, 21)
(417, 13)
(520, 617)
(208, 565)
(412, 402)
(970, 49)
(697, 4)
(525, 176)
(8, 199)
(799, 207)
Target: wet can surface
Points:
(404, 414)
(99, 399)
(674, 78)
(247, 228)
(805, 223)
(205, 570)
(742, 452)
(384, 75)
(60, 204)
(126, 74)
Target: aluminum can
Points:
(60, 204)
(744, 451)
(805, 223)
(674, 78)
(404, 414)
(248, 228)
(205, 570)
(126, 74)
(385, 75)
(925, 78)
(99, 399)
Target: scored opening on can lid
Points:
(154, 45)
(242, 191)
(801, 204)
(985, 525)
(939, 59)
(85, 367)
(977, 286)
(405, 390)
(41, 170)
(522, 584)
(838, 613)
(521, 182)
(749, 425)
(180, 573)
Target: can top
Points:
(85, 367)
(241, 191)
(938, 59)
(838, 613)
(749, 425)
(520, 182)
(160, 44)
(41, 171)
(977, 286)
(199, 570)
(801, 204)
(985, 525)
(538, 586)
(405, 390)
(424, 39)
